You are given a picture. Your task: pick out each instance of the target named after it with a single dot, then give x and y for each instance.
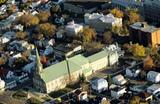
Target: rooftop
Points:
(143, 26)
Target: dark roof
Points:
(115, 101)
(86, 5)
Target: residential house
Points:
(3, 9)
(60, 34)
(119, 80)
(72, 29)
(144, 96)
(153, 89)
(18, 27)
(99, 85)
(10, 83)
(153, 76)
(144, 34)
(4, 40)
(102, 22)
(65, 50)
(118, 92)
(2, 85)
(132, 72)
(22, 78)
(5, 73)
(138, 88)
(81, 95)
(30, 67)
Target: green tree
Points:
(28, 20)
(47, 29)
(55, 9)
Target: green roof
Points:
(60, 69)
(97, 56)
(79, 60)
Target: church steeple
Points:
(39, 66)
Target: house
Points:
(118, 92)
(4, 40)
(144, 34)
(99, 85)
(119, 80)
(81, 95)
(10, 83)
(2, 85)
(22, 78)
(153, 88)
(144, 96)
(153, 76)
(138, 88)
(132, 72)
(60, 34)
(3, 9)
(72, 29)
(18, 27)
(102, 22)
(5, 73)
(29, 68)
(65, 50)
(48, 51)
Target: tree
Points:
(2, 60)
(2, 1)
(148, 63)
(11, 9)
(135, 100)
(21, 35)
(88, 34)
(47, 29)
(28, 20)
(138, 50)
(105, 101)
(55, 9)
(107, 37)
(132, 16)
(43, 16)
(117, 13)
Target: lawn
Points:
(20, 95)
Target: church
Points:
(57, 76)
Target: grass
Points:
(19, 95)
(60, 92)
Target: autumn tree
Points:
(107, 37)
(43, 16)
(47, 29)
(135, 100)
(105, 101)
(2, 1)
(117, 13)
(2, 60)
(148, 63)
(132, 16)
(138, 50)
(28, 20)
(88, 34)
(55, 9)
(21, 35)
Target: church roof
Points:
(58, 70)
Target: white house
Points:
(153, 88)
(72, 29)
(99, 85)
(2, 85)
(118, 92)
(119, 80)
(132, 72)
(4, 39)
(153, 76)
(101, 22)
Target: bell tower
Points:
(39, 66)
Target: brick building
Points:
(144, 34)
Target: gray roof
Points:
(144, 27)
